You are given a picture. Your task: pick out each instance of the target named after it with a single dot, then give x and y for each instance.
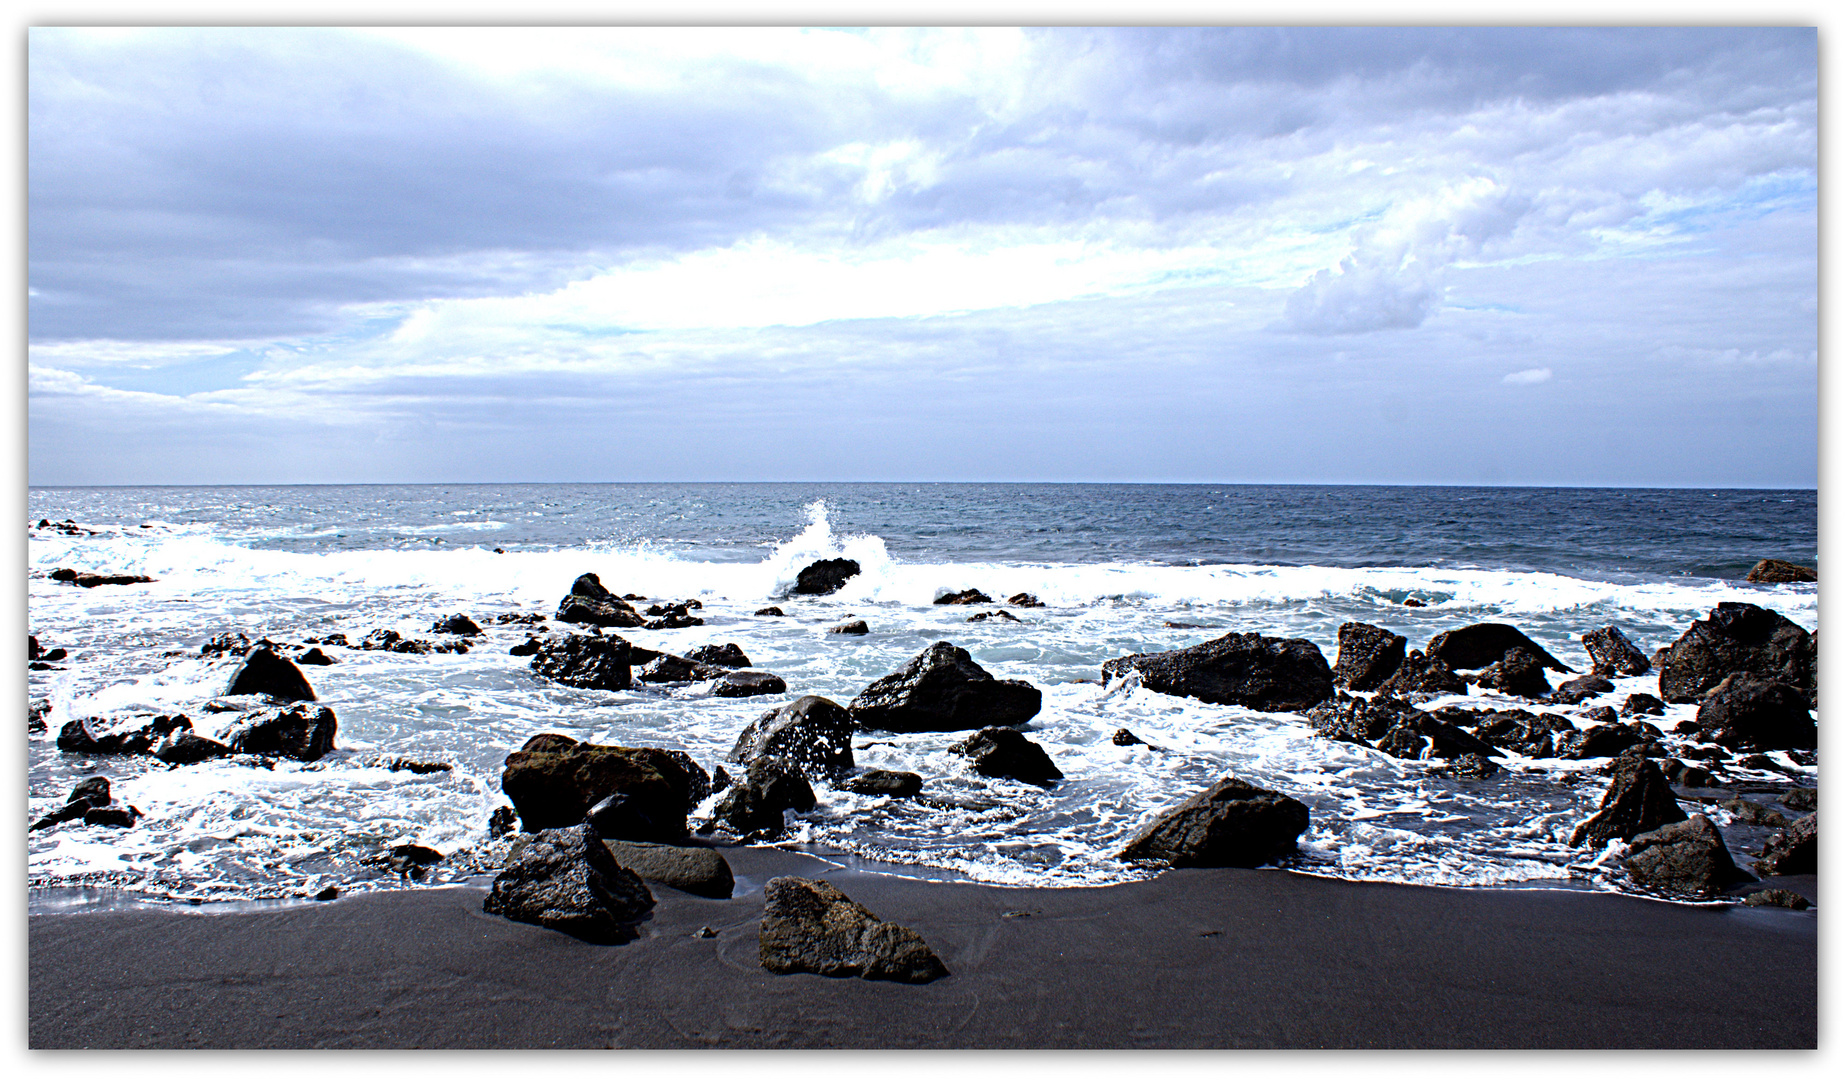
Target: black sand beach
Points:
(1193, 958)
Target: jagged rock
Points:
(1777, 572)
(87, 795)
(588, 661)
(589, 602)
(697, 870)
(1601, 740)
(1737, 638)
(1686, 858)
(943, 689)
(554, 781)
(455, 624)
(1531, 734)
(1124, 737)
(565, 879)
(753, 806)
(1356, 720)
(1519, 673)
(823, 577)
(1004, 752)
(966, 596)
(1024, 599)
(1643, 705)
(382, 640)
(187, 747)
(1420, 674)
(89, 580)
(1794, 901)
(1256, 672)
(1368, 656)
(1003, 616)
(1473, 767)
(813, 927)
(529, 647)
(771, 611)
(502, 821)
(1481, 644)
(263, 672)
(674, 618)
(899, 785)
(856, 626)
(522, 618)
(728, 655)
(136, 733)
(1747, 713)
(303, 731)
(679, 669)
(36, 714)
(1418, 736)
(1751, 813)
(1801, 800)
(748, 684)
(1581, 689)
(1602, 714)
(1638, 800)
(1794, 850)
(1684, 775)
(1231, 823)
(811, 733)
(1611, 653)
(115, 816)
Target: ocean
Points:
(1120, 568)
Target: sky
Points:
(1484, 255)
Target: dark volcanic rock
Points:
(1003, 616)
(382, 640)
(771, 611)
(1581, 689)
(1004, 752)
(554, 781)
(813, 927)
(1777, 572)
(1124, 737)
(584, 660)
(1256, 672)
(185, 747)
(1747, 713)
(1801, 799)
(302, 731)
(823, 577)
(87, 795)
(856, 626)
(697, 870)
(1751, 813)
(315, 657)
(114, 815)
(136, 733)
(1794, 850)
(1611, 653)
(1643, 705)
(728, 655)
(565, 879)
(1531, 734)
(1356, 720)
(1231, 823)
(1638, 800)
(1368, 656)
(811, 733)
(263, 672)
(966, 596)
(753, 805)
(1024, 599)
(1481, 644)
(1737, 638)
(900, 785)
(529, 647)
(589, 602)
(679, 669)
(90, 580)
(36, 714)
(456, 624)
(1417, 735)
(1686, 858)
(1519, 673)
(943, 689)
(1602, 740)
(1794, 901)
(1420, 674)
(748, 684)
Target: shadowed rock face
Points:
(823, 577)
(1611, 653)
(811, 733)
(1256, 672)
(565, 879)
(1519, 673)
(263, 672)
(1420, 674)
(585, 661)
(697, 870)
(752, 807)
(1777, 572)
(1747, 713)
(1476, 646)
(1794, 850)
(1004, 752)
(943, 689)
(589, 602)
(1687, 858)
(302, 731)
(1231, 823)
(553, 781)
(810, 926)
(1368, 656)
(1737, 638)
(1639, 800)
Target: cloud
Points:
(1528, 377)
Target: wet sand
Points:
(1193, 958)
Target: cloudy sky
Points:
(1394, 255)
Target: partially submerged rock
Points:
(134, 733)
(943, 689)
(303, 731)
(1737, 638)
(566, 880)
(1231, 823)
(728, 655)
(1638, 800)
(1519, 672)
(1256, 672)
(966, 596)
(589, 602)
(588, 661)
(1687, 858)
(1611, 653)
(898, 785)
(1368, 656)
(263, 672)
(810, 926)
(1778, 572)
(1420, 674)
(1581, 689)
(667, 668)
(1004, 752)
(811, 733)
(855, 626)
(824, 577)
(1794, 850)
(1481, 644)
(752, 807)
(748, 684)
(456, 624)
(1747, 713)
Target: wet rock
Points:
(502, 821)
(455, 624)
(1747, 713)
(1581, 689)
(1420, 674)
(674, 618)
(1256, 672)
(1750, 813)
(1601, 740)
(1481, 644)
(263, 672)
(529, 647)
(36, 714)
(1004, 752)
(697, 870)
(943, 689)
(1801, 800)
(89, 580)
(1003, 616)
(1777, 572)
(521, 618)
(187, 747)
(1473, 767)
(966, 596)
(1611, 653)
(748, 684)
(679, 669)
(812, 733)
(810, 926)
(409, 860)
(1024, 599)
(1794, 850)
(588, 661)
(1231, 823)
(1643, 705)
(1519, 673)
(566, 880)
(1411, 601)
(303, 731)
(774, 612)
(554, 781)
(382, 640)
(752, 807)
(1600, 714)
(1418, 736)
(856, 626)
(87, 795)
(1684, 775)
(1531, 734)
(114, 815)
(899, 785)
(1686, 858)
(410, 765)
(1638, 800)
(1737, 638)
(314, 657)
(589, 602)
(1368, 656)
(1356, 720)
(135, 733)
(728, 655)
(1794, 901)
(1124, 737)
(824, 577)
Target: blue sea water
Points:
(1121, 568)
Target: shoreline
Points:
(1191, 958)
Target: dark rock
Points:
(1420, 674)
(966, 596)
(1356, 720)
(263, 672)
(679, 669)
(1638, 800)
(32, 647)
(1777, 898)
(1737, 638)
(565, 879)
(623, 815)
(811, 733)
(588, 602)
(1643, 705)
(1686, 858)
(1124, 737)
(1801, 800)
(1761, 761)
(1024, 599)
(382, 640)
(410, 765)
(1482, 644)
(1473, 767)
(1231, 823)
(503, 820)
(314, 657)
(898, 785)
(719, 779)
(529, 647)
(553, 781)
(1687, 776)
(856, 626)
(1581, 689)
(330, 639)
(1611, 653)
(302, 731)
(136, 733)
(1003, 616)
(823, 577)
(63, 573)
(456, 624)
(697, 870)
(1004, 752)
(1519, 673)
(1602, 740)
(753, 806)
(588, 661)
(1794, 850)
(94, 790)
(1368, 656)
(185, 747)
(90, 581)
(1256, 672)
(1777, 572)
(748, 684)
(810, 926)
(675, 619)
(526, 618)
(1531, 734)
(1753, 813)
(1417, 735)
(1411, 601)
(1601, 714)
(943, 689)
(114, 816)
(53, 655)
(36, 714)
(1747, 713)
(728, 655)
(771, 611)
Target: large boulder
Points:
(1737, 638)
(589, 602)
(1794, 850)
(748, 684)
(1420, 674)
(1777, 572)
(667, 668)
(263, 672)
(1476, 646)
(554, 781)
(1611, 653)
(823, 577)
(700, 871)
(1519, 673)
(1357, 720)
(810, 926)
(1256, 672)
(1747, 713)
(897, 785)
(1004, 752)
(1638, 800)
(565, 879)
(728, 655)
(1231, 823)
(588, 661)
(752, 807)
(1580, 689)
(135, 733)
(811, 733)
(303, 731)
(1687, 858)
(943, 689)
(1368, 656)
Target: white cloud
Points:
(1528, 377)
